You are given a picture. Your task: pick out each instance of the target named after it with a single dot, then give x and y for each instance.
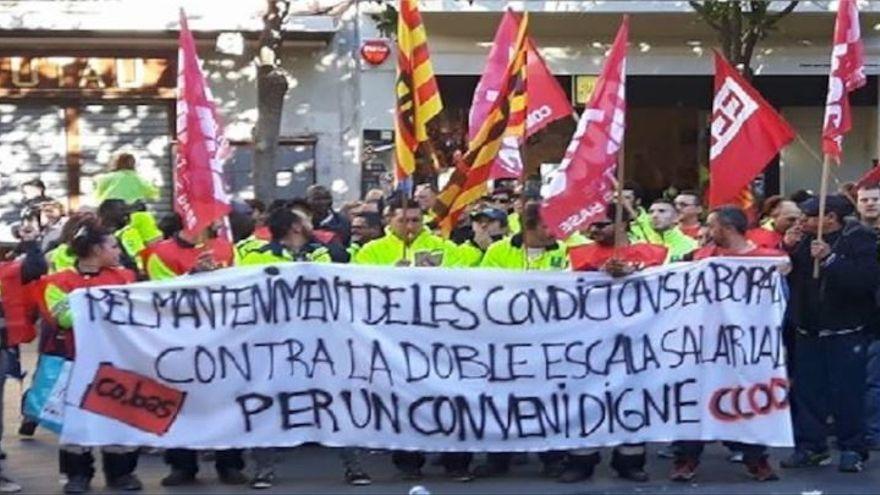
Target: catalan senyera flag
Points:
(469, 179)
(418, 98)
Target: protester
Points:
(292, 241)
(170, 225)
(97, 263)
(61, 256)
(113, 215)
(830, 314)
(532, 249)
(868, 206)
(365, 227)
(612, 252)
(690, 208)
(242, 224)
(124, 183)
(632, 201)
(320, 201)
(179, 255)
(784, 215)
(426, 196)
(52, 221)
(664, 230)
(627, 257)
(16, 276)
(726, 227)
(409, 243)
(488, 225)
(33, 193)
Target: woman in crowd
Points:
(96, 253)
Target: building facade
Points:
(81, 81)
(669, 81)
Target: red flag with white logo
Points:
(199, 188)
(746, 133)
(545, 99)
(847, 75)
(583, 185)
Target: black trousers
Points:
(620, 461)
(83, 463)
(829, 379)
(187, 460)
(408, 461)
(502, 459)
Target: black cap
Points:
(834, 203)
(491, 214)
(35, 183)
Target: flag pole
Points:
(823, 192)
(618, 194)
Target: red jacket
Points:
(765, 238)
(55, 304)
(19, 305)
(716, 251)
(591, 257)
(180, 257)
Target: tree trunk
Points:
(271, 88)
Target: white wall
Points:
(801, 170)
(321, 103)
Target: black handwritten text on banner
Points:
(443, 360)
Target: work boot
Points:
(684, 470)
(579, 468)
(761, 470)
(126, 483)
(179, 477)
(806, 459)
(78, 484)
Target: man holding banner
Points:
(181, 255)
(532, 249)
(409, 243)
(292, 241)
(617, 260)
(726, 228)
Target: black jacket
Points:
(843, 296)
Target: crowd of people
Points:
(834, 360)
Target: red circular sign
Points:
(375, 52)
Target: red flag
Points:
(870, 178)
(746, 134)
(546, 100)
(200, 192)
(582, 186)
(847, 75)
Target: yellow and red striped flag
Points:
(418, 98)
(469, 180)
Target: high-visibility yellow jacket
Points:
(510, 254)
(274, 252)
(126, 185)
(244, 246)
(390, 249)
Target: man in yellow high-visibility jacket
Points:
(532, 249)
(408, 243)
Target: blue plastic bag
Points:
(45, 399)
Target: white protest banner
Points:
(432, 359)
